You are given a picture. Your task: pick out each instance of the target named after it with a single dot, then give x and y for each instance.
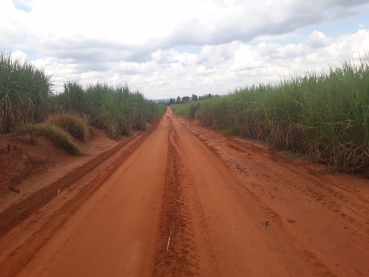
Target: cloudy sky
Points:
(170, 48)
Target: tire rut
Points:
(181, 223)
(267, 173)
(247, 198)
(22, 255)
(321, 191)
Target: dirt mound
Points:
(29, 163)
(22, 157)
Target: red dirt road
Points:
(182, 200)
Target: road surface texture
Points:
(183, 200)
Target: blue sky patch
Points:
(24, 5)
(193, 49)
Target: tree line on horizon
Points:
(186, 99)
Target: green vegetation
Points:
(26, 98)
(232, 131)
(181, 110)
(187, 99)
(188, 110)
(289, 155)
(324, 116)
(54, 134)
(73, 124)
(117, 110)
(24, 92)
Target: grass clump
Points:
(232, 131)
(73, 124)
(290, 156)
(54, 134)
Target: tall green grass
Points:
(188, 110)
(24, 92)
(117, 110)
(325, 115)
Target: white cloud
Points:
(318, 40)
(19, 55)
(134, 41)
(219, 68)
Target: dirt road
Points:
(183, 200)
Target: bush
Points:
(54, 134)
(73, 124)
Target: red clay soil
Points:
(30, 163)
(183, 200)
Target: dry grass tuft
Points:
(54, 134)
(73, 124)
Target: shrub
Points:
(73, 124)
(54, 134)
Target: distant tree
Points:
(178, 101)
(206, 96)
(172, 101)
(194, 97)
(186, 99)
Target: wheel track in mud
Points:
(318, 192)
(18, 212)
(321, 192)
(181, 212)
(212, 201)
(242, 193)
(21, 256)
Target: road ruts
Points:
(187, 201)
(183, 247)
(327, 212)
(108, 232)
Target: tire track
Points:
(21, 256)
(258, 169)
(181, 219)
(246, 211)
(321, 191)
(17, 213)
